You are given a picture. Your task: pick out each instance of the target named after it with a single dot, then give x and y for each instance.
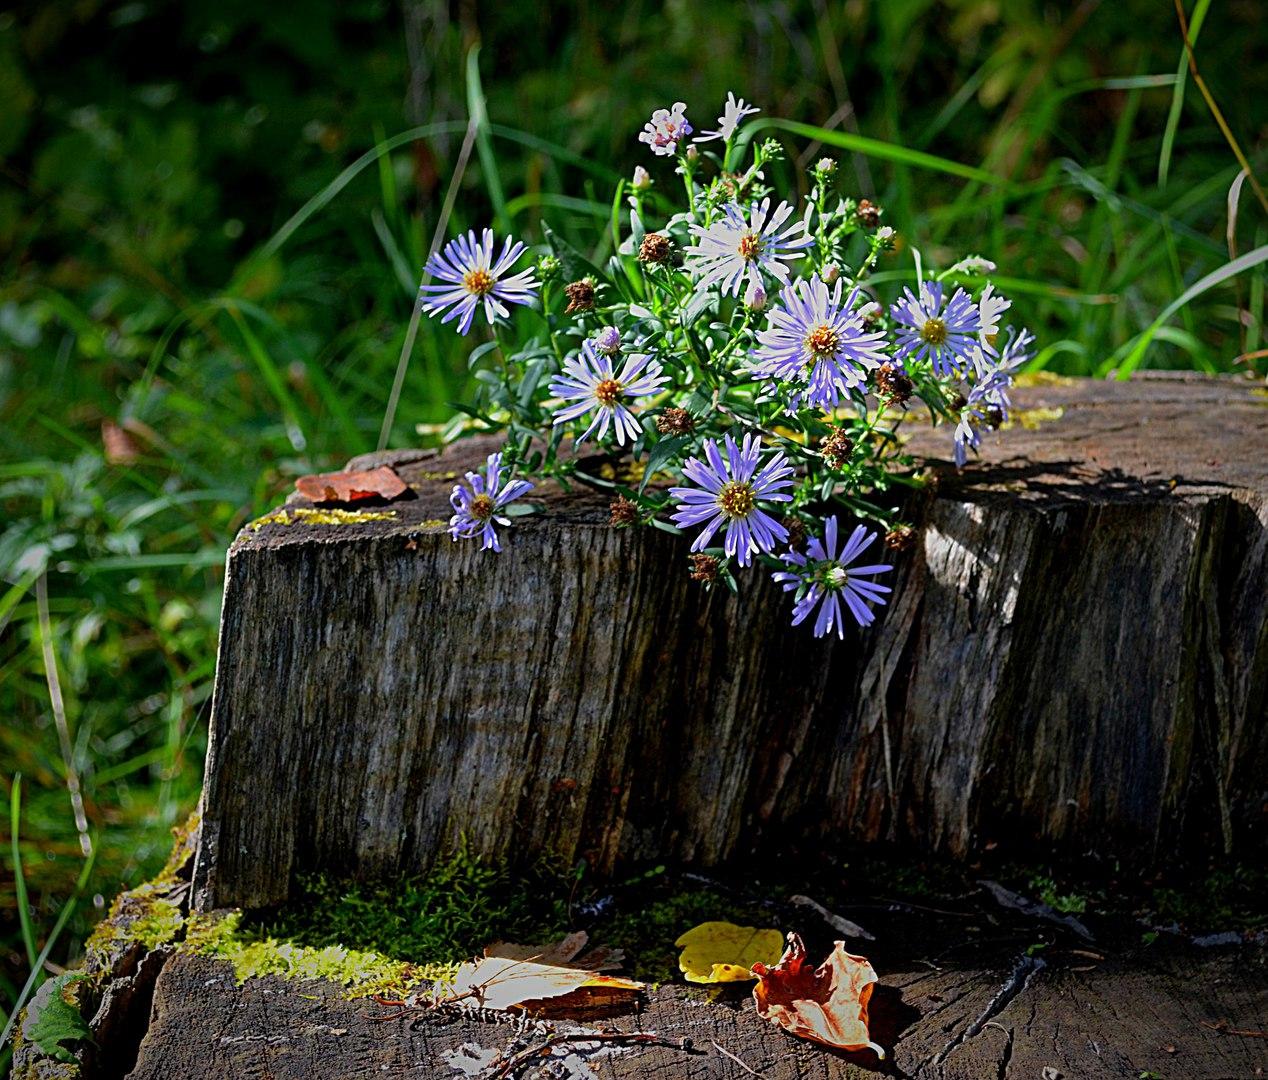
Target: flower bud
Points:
(755, 297)
(830, 274)
(692, 154)
(608, 341)
(642, 179)
(825, 166)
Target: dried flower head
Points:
(869, 213)
(836, 448)
(655, 248)
(675, 421)
(622, 513)
(704, 568)
(894, 384)
(796, 533)
(900, 538)
(580, 296)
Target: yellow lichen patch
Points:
(1042, 378)
(308, 516)
(1030, 419)
(362, 974)
(436, 476)
(433, 523)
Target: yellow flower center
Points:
(478, 282)
(823, 341)
(737, 499)
(608, 392)
(482, 507)
(750, 246)
(991, 339)
(934, 332)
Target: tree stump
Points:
(1075, 656)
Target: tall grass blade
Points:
(1177, 95)
(1128, 358)
(19, 878)
(37, 968)
(478, 112)
(884, 151)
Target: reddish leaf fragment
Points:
(827, 1004)
(119, 445)
(381, 483)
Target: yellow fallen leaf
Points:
(499, 982)
(715, 952)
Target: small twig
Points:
(640, 1038)
(1222, 1026)
(723, 1050)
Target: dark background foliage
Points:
(176, 344)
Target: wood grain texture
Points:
(1076, 657)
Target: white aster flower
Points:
(666, 129)
(734, 112)
(588, 383)
(972, 264)
(737, 249)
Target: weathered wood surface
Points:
(958, 1001)
(1075, 657)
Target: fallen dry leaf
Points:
(564, 953)
(382, 483)
(827, 1004)
(716, 952)
(502, 983)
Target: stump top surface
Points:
(963, 1011)
(1164, 435)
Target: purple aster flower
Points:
(468, 275)
(476, 507)
(816, 340)
(825, 579)
(728, 493)
(946, 336)
(666, 129)
(590, 383)
(988, 402)
(738, 249)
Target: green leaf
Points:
(575, 265)
(57, 1022)
(663, 452)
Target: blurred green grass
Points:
(212, 219)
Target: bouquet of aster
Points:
(735, 355)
